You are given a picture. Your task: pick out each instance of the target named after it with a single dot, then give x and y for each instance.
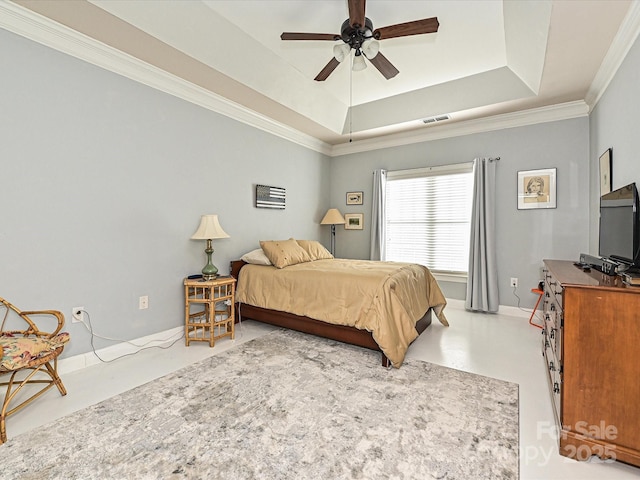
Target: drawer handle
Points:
(552, 333)
(556, 387)
(552, 367)
(553, 307)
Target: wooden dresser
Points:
(591, 346)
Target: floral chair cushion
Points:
(18, 351)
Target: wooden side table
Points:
(209, 309)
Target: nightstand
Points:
(209, 309)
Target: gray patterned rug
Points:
(285, 406)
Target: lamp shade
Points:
(333, 217)
(358, 62)
(341, 50)
(209, 228)
(370, 48)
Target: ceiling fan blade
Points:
(326, 71)
(385, 67)
(356, 13)
(417, 27)
(309, 36)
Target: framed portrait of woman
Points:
(537, 189)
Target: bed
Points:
(382, 306)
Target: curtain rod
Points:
(491, 159)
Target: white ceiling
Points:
(489, 57)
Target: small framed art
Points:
(605, 172)
(354, 198)
(270, 197)
(537, 189)
(354, 221)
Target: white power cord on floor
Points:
(140, 347)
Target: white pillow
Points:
(256, 257)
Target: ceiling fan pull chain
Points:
(351, 102)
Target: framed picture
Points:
(354, 198)
(605, 172)
(537, 189)
(354, 221)
(270, 197)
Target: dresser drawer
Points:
(553, 316)
(553, 291)
(554, 368)
(555, 340)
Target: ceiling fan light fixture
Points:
(358, 62)
(370, 48)
(341, 51)
(357, 33)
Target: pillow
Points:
(315, 250)
(256, 257)
(283, 253)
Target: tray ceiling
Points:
(489, 57)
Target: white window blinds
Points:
(428, 213)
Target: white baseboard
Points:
(502, 309)
(164, 338)
(83, 360)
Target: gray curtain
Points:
(482, 283)
(378, 220)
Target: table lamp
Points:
(333, 217)
(208, 230)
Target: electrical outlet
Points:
(514, 282)
(77, 314)
(143, 302)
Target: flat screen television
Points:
(620, 226)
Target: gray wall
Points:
(524, 237)
(104, 182)
(614, 124)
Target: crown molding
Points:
(28, 24)
(620, 46)
(45, 31)
(522, 118)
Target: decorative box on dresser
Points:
(591, 346)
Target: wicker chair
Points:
(29, 357)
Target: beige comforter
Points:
(385, 298)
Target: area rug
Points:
(285, 406)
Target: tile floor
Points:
(499, 346)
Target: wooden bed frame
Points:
(342, 333)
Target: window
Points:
(428, 214)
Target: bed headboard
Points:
(235, 267)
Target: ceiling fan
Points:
(357, 33)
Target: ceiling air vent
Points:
(435, 119)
